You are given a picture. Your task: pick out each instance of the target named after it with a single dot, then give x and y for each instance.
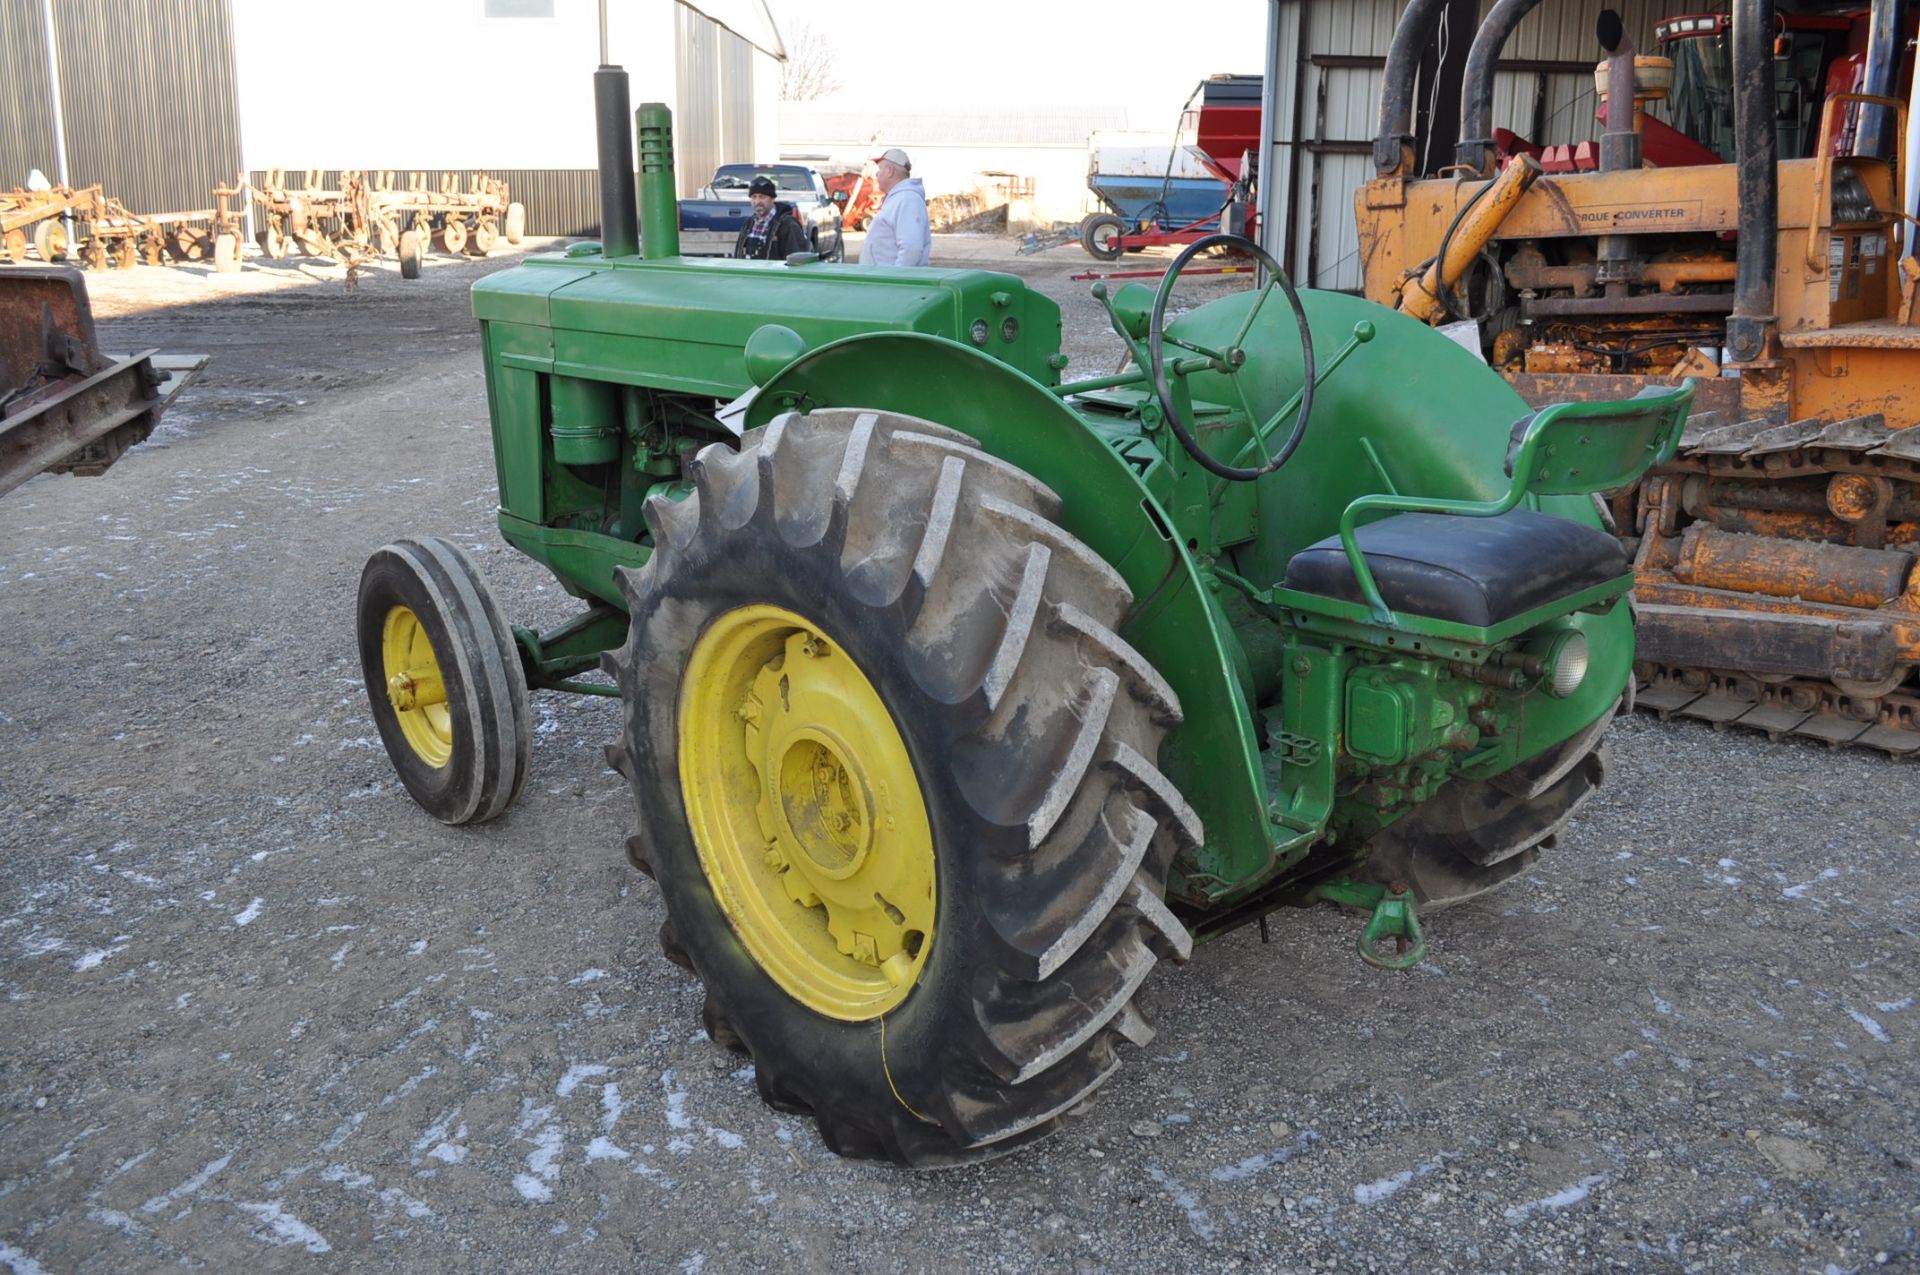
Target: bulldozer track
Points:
(1802, 707)
(1810, 708)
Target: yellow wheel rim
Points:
(806, 813)
(414, 687)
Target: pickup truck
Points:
(710, 224)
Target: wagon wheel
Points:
(272, 241)
(1100, 236)
(50, 241)
(444, 680)
(895, 775)
(483, 236)
(453, 235)
(409, 254)
(516, 223)
(226, 252)
(14, 244)
(314, 241)
(186, 244)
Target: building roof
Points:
(748, 19)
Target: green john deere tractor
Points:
(954, 696)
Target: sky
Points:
(978, 55)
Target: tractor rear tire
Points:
(50, 241)
(409, 254)
(777, 799)
(429, 628)
(516, 222)
(1100, 236)
(1474, 836)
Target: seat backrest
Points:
(1570, 449)
(1564, 449)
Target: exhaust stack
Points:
(619, 229)
(1759, 174)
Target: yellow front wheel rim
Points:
(806, 813)
(415, 688)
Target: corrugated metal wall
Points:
(1545, 95)
(713, 108)
(736, 95)
(26, 99)
(148, 98)
(697, 141)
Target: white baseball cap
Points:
(896, 155)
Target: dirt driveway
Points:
(262, 1013)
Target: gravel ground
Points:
(263, 1012)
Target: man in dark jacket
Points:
(773, 233)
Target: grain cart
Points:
(955, 697)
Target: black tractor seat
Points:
(1477, 571)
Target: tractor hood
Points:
(686, 321)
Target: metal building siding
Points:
(736, 100)
(26, 97)
(1339, 109)
(698, 141)
(148, 98)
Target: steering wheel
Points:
(1231, 359)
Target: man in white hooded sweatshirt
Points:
(898, 234)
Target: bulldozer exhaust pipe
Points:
(1475, 147)
(1758, 179)
(619, 231)
(1392, 146)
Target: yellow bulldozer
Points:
(1761, 239)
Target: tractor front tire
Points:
(896, 778)
(444, 680)
(1475, 835)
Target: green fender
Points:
(1213, 756)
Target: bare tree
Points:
(808, 71)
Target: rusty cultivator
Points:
(361, 219)
(104, 231)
